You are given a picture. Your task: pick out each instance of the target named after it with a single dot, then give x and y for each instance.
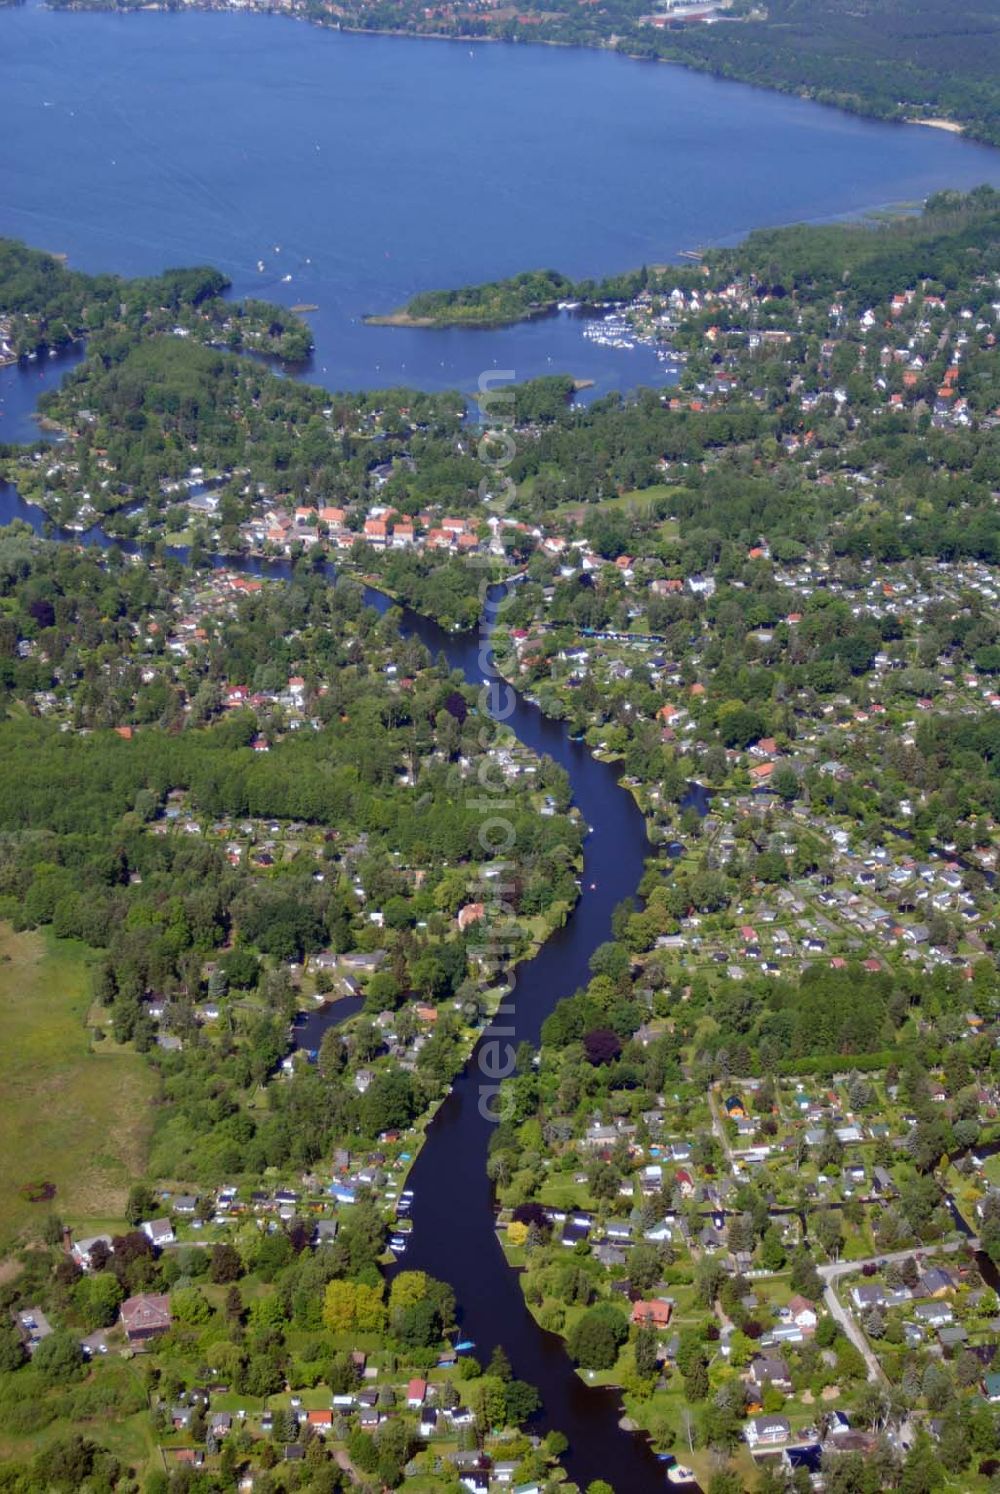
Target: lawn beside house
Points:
(71, 1113)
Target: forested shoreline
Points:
(869, 253)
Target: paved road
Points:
(720, 1130)
(844, 1268)
(847, 1321)
(850, 1328)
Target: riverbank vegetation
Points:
(237, 799)
(746, 1178)
(706, 1165)
(774, 580)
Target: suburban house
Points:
(416, 1394)
(476, 1481)
(685, 1182)
(81, 1250)
(766, 1431)
(471, 913)
(770, 1371)
(657, 1311)
(882, 1184)
(576, 1228)
(933, 1314)
(159, 1232)
(145, 1317)
(809, 1458)
(935, 1282)
(428, 1422)
(871, 1294)
(803, 1313)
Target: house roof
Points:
(770, 1367)
(935, 1279)
(656, 1311)
(148, 1311)
(770, 1424)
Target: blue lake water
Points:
(383, 165)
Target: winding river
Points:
(453, 1234)
(328, 170)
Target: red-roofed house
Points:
(656, 1312)
(145, 1317)
(471, 913)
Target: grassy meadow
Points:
(73, 1113)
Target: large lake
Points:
(383, 165)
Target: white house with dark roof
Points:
(766, 1431)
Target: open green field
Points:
(639, 499)
(71, 1113)
(92, 1411)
